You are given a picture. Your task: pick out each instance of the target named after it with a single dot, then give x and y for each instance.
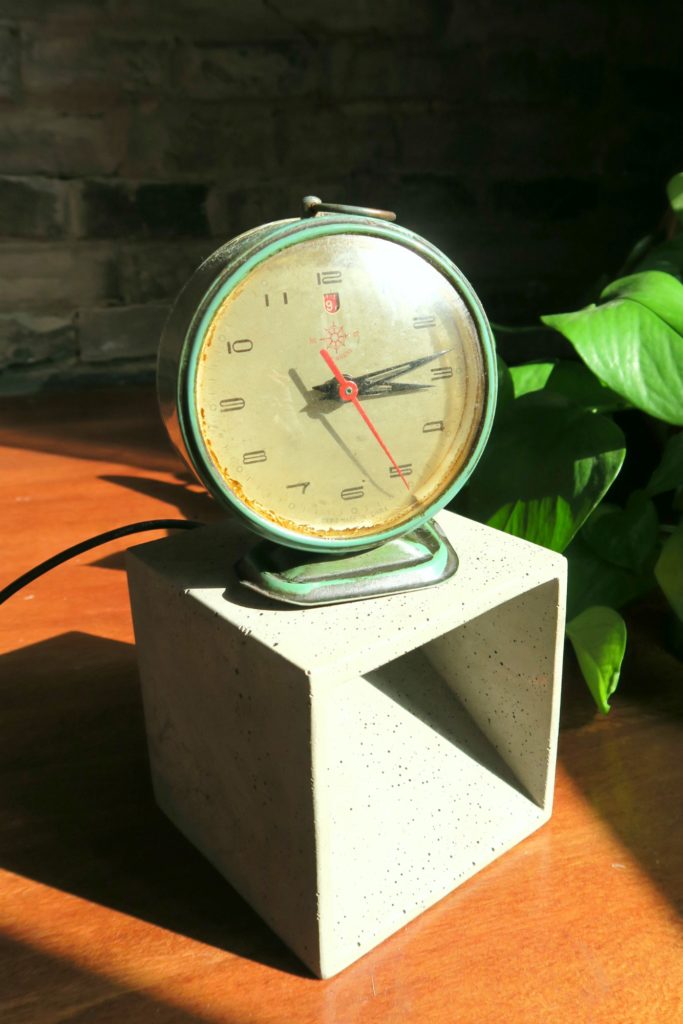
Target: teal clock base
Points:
(412, 562)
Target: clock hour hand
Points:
(368, 383)
(390, 388)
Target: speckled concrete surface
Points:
(345, 767)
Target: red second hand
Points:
(348, 392)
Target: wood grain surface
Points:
(107, 915)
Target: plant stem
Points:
(502, 329)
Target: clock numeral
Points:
(285, 299)
(405, 467)
(249, 457)
(431, 426)
(302, 485)
(442, 372)
(424, 321)
(231, 404)
(241, 345)
(329, 277)
(352, 493)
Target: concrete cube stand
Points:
(346, 767)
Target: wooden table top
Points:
(108, 915)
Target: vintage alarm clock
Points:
(331, 380)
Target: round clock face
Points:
(339, 389)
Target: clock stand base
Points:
(346, 767)
(414, 561)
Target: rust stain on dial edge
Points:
(334, 533)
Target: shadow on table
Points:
(185, 493)
(106, 424)
(191, 501)
(41, 986)
(629, 763)
(77, 810)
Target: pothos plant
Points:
(562, 433)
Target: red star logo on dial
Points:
(335, 338)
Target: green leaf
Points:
(631, 347)
(576, 382)
(530, 377)
(667, 257)
(592, 580)
(598, 636)
(638, 252)
(659, 292)
(669, 570)
(505, 391)
(566, 377)
(674, 190)
(668, 476)
(547, 465)
(546, 521)
(626, 537)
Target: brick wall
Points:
(530, 141)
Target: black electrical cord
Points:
(93, 542)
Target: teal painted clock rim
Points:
(284, 235)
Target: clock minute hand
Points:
(379, 376)
(367, 382)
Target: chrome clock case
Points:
(181, 340)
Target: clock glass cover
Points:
(338, 389)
